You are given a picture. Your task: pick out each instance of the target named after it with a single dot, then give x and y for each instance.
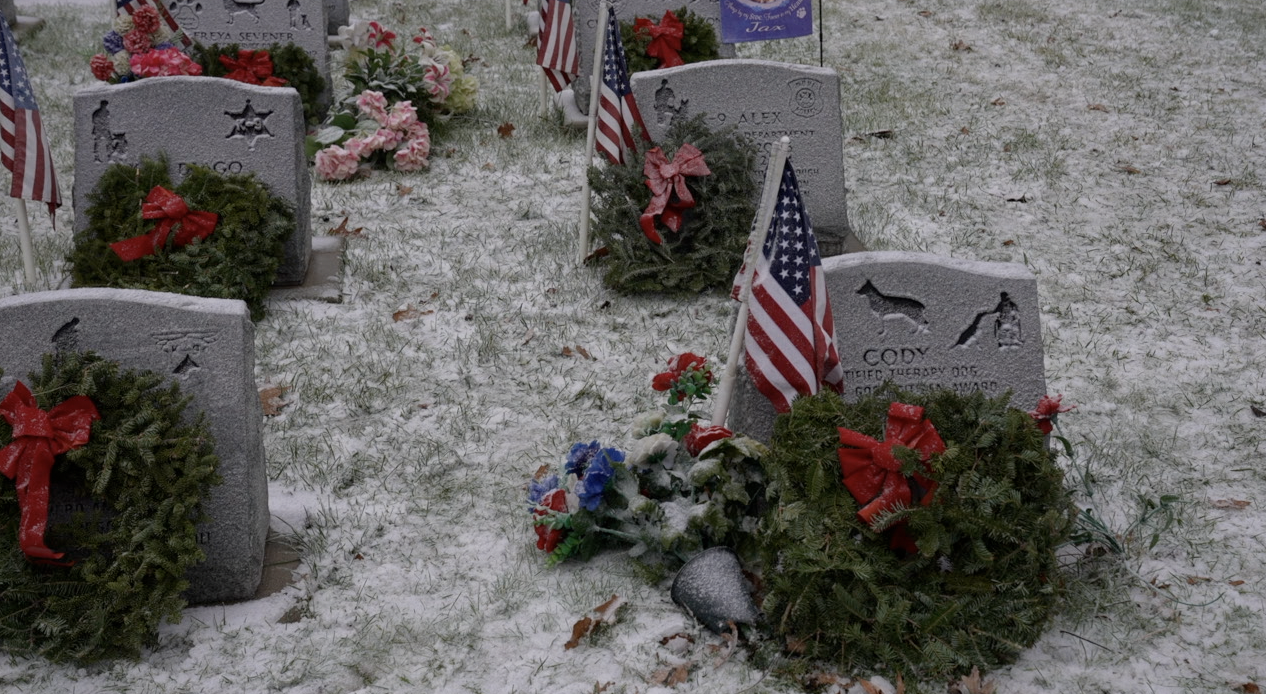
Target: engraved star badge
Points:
(249, 124)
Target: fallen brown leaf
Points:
(1098, 107)
(1009, 242)
(531, 42)
(527, 337)
(964, 130)
(541, 472)
(1193, 580)
(960, 46)
(925, 13)
(270, 400)
(973, 684)
(579, 630)
(1235, 583)
(599, 688)
(671, 677)
(342, 230)
(567, 351)
(1126, 168)
(403, 190)
(1234, 504)
(410, 312)
(998, 102)
(598, 253)
(488, 166)
(679, 635)
(602, 614)
(1249, 688)
(870, 688)
(583, 352)
(1222, 182)
(506, 129)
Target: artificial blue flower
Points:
(601, 469)
(164, 46)
(580, 456)
(538, 490)
(112, 42)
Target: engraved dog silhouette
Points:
(234, 8)
(889, 307)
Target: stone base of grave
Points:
(573, 117)
(324, 281)
(281, 558)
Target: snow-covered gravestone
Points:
(207, 346)
(766, 101)
(586, 18)
(923, 322)
(228, 126)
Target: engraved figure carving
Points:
(108, 146)
(667, 108)
(185, 12)
(185, 341)
(297, 20)
(66, 339)
(249, 124)
(806, 97)
(236, 7)
(886, 307)
(1006, 326)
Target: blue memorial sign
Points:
(760, 20)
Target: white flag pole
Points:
(545, 96)
(24, 242)
(768, 198)
(509, 15)
(594, 80)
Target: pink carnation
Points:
(412, 156)
(137, 41)
(402, 116)
(358, 146)
(167, 62)
(438, 82)
(102, 67)
(336, 164)
(145, 19)
(419, 131)
(372, 104)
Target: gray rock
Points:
(924, 322)
(229, 126)
(712, 589)
(765, 100)
(586, 18)
(208, 347)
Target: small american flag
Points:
(23, 148)
(131, 6)
(790, 338)
(556, 44)
(617, 110)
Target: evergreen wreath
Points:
(698, 42)
(708, 249)
(290, 62)
(152, 470)
(237, 261)
(984, 580)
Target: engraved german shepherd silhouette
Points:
(899, 307)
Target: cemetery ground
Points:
(1114, 149)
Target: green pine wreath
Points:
(708, 249)
(290, 62)
(237, 261)
(985, 580)
(152, 470)
(698, 41)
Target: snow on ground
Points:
(1130, 130)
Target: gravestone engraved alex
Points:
(228, 126)
(923, 321)
(207, 346)
(765, 100)
(586, 17)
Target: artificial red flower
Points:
(677, 366)
(145, 19)
(381, 37)
(547, 538)
(137, 41)
(102, 67)
(1047, 410)
(700, 437)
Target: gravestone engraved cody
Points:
(586, 17)
(765, 100)
(227, 126)
(923, 322)
(206, 346)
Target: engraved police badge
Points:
(806, 97)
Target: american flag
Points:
(790, 338)
(131, 6)
(556, 44)
(617, 111)
(23, 148)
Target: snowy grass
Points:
(1114, 150)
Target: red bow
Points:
(873, 474)
(38, 436)
(665, 38)
(165, 205)
(251, 67)
(666, 177)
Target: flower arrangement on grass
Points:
(430, 76)
(140, 45)
(682, 487)
(378, 137)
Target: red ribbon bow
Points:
(873, 474)
(38, 436)
(164, 205)
(251, 67)
(665, 178)
(665, 38)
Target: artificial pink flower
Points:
(137, 41)
(145, 20)
(1047, 410)
(413, 155)
(102, 67)
(358, 147)
(418, 130)
(336, 164)
(372, 104)
(381, 37)
(383, 139)
(438, 81)
(699, 437)
(424, 37)
(402, 116)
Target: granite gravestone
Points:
(228, 126)
(255, 24)
(922, 322)
(337, 14)
(586, 18)
(207, 346)
(765, 100)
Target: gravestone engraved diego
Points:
(207, 346)
(923, 321)
(227, 126)
(765, 100)
(586, 17)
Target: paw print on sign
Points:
(185, 12)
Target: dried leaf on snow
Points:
(602, 614)
(973, 684)
(1235, 504)
(410, 312)
(506, 129)
(270, 400)
(671, 677)
(342, 230)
